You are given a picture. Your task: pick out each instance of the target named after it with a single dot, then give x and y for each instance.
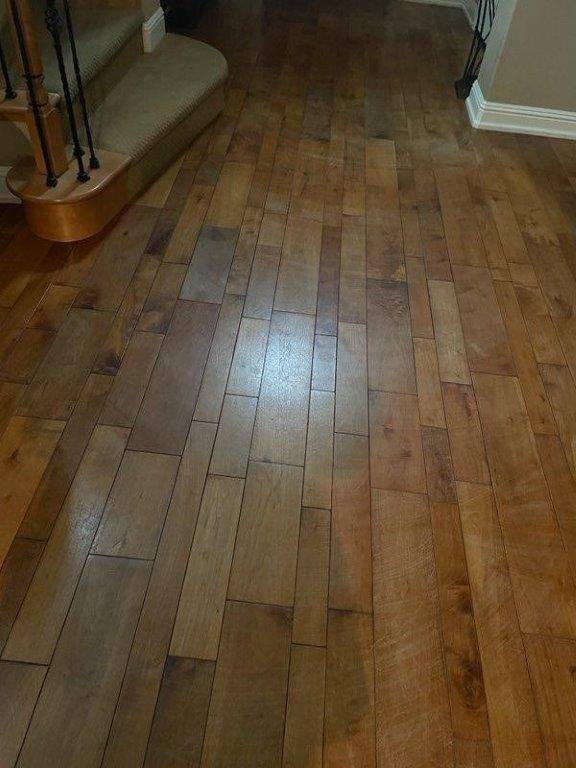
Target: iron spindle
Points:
(54, 24)
(51, 180)
(94, 163)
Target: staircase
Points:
(104, 126)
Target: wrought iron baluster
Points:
(9, 92)
(51, 179)
(54, 24)
(482, 28)
(94, 163)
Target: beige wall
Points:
(531, 55)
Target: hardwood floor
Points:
(288, 454)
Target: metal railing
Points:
(484, 21)
(58, 20)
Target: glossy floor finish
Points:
(289, 454)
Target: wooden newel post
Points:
(43, 118)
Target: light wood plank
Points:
(352, 294)
(42, 615)
(20, 685)
(15, 577)
(264, 566)
(208, 271)
(420, 313)
(543, 584)
(297, 286)
(465, 433)
(324, 363)
(249, 355)
(280, 430)
(452, 360)
(230, 195)
(413, 710)
(562, 393)
(232, 447)
(396, 458)
(311, 599)
(428, 383)
(199, 619)
(159, 306)
(513, 722)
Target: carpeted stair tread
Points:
(157, 93)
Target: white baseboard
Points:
(513, 118)
(468, 6)
(153, 30)
(5, 195)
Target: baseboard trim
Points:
(513, 118)
(468, 6)
(5, 195)
(153, 30)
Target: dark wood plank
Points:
(166, 412)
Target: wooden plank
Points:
(52, 310)
(112, 350)
(350, 571)
(452, 360)
(199, 619)
(384, 246)
(317, 491)
(351, 380)
(390, 353)
(305, 708)
(166, 412)
(232, 447)
(473, 754)
(263, 277)
(56, 480)
(25, 355)
(513, 721)
(541, 330)
(465, 433)
(15, 577)
(10, 394)
(562, 488)
(71, 720)
(540, 572)
(208, 271)
(396, 458)
(551, 662)
(136, 508)
(249, 355)
(428, 383)
(461, 654)
(438, 461)
(352, 294)
(239, 274)
(181, 713)
(135, 709)
(20, 685)
(420, 314)
(280, 430)
(413, 710)
(211, 393)
(264, 566)
(324, 363)
(328, 280)
(121, 251)
(25, 450)
(311, 599)
(63, 372)
(462, 234)
(253, 664)
(159, 306)
(349, 715)
(185, 234)
(562, 393)
(43, 612)
(297, 286)
(131, 381)
(533, 390)
(230, 195)
(487, 343)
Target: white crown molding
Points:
(5, 195)
(153, 30)
(468, 6)
(513, 118)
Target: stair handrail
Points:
(9, 92)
